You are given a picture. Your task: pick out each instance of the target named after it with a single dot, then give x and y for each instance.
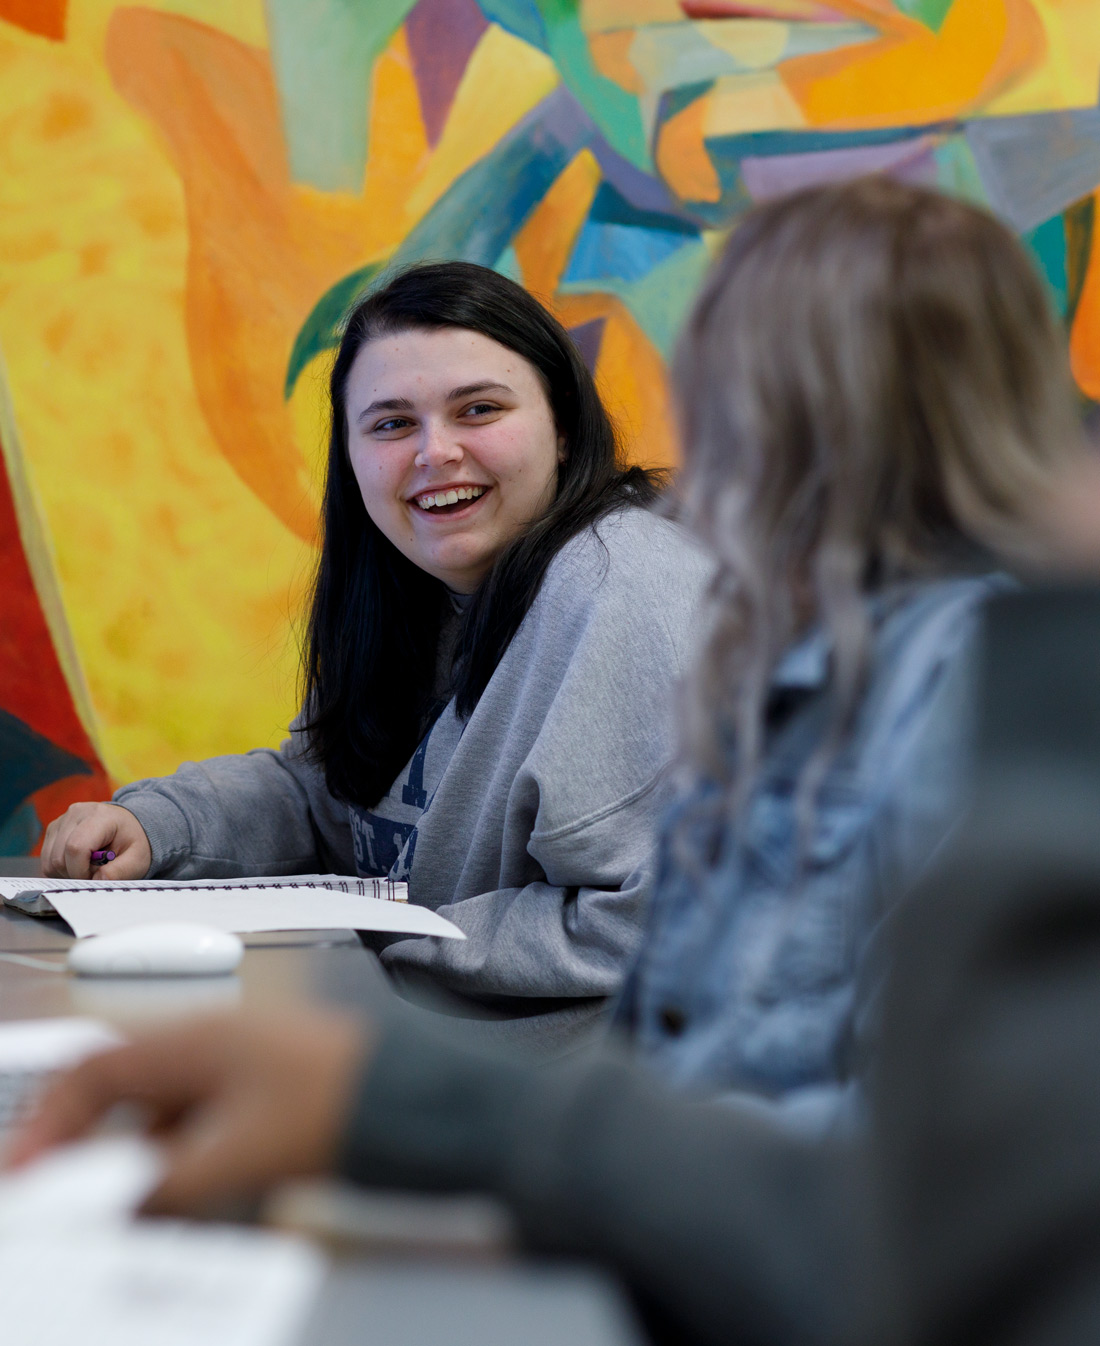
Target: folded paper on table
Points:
(95, 907)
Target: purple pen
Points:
(102, 857)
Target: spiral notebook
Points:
(298, 902)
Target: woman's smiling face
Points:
(453, 444)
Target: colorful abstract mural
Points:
(192, 191)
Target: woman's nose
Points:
(437, 445)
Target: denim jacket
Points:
(747, 976)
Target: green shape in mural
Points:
(614, 111)
(323, 53)
(520, 17)
(321, 330)
(956, 171)
(929, 12)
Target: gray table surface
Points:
(364, 1302)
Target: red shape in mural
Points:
(44, 17)
(34, 691)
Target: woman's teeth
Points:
(450, 497)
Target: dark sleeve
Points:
(986, 1086)
(725, 1228)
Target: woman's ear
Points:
(563, 453)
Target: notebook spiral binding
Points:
(354, 886)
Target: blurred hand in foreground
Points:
(84, 828)
(238, 1102)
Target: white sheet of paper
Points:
(95, 911)
(158, 1283)
(75, 1266)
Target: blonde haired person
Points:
(875, 401)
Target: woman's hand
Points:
(84, 828)
(238, 1102)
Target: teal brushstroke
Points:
(1047, 244)
(957, 171)
(659, 301)
(615, 112)
(20, 831)
(508, 265)
(321, 330)
(480, 213)
(611, 207)
(28, 761)
(324, 52)
(929, 12)
(734, 147)
(521, 18)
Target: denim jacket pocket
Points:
(840, 815)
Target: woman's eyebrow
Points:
(384, 404)
(468, 389)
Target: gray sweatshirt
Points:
(540, 812)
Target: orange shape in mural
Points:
(611, 56)
(544, 243)
(911, 74)
(630, 376)
(682, 157)
(44, 17)
(1084, 345)
(262, 250)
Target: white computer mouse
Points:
(170, 949)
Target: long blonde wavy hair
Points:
(872, 387)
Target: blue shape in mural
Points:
(620, 242)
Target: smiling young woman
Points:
(496, 626)
(453, 444)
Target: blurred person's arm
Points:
(986, 1091)
(724, 1228)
